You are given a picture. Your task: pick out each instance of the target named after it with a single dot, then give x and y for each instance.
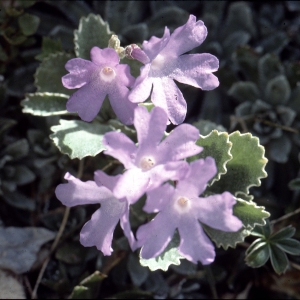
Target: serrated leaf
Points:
(19, 246)
(249, 213)
(206, 127)
(279, 259)
(244, 91)
(79, 139)
(28, 23)
(92, 31)
(283, 233)
(246, 167)
(45, 104)
(49, 46)
(290, 246)
(216, 145)
(48, 75)
(258, 256)
(170, 256)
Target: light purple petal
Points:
(125, 225)
(80, 73)
(150, 127)
(158, 198)
(142, 87)
(132, 185)
(87, 101)
(216, 212)
(155, 235)
(180, 143)
(156, 45)
(99, 230)
(102, 179)
(123, 108)
(196, 69)
(123, 76)
(201, 171)
(76, 192)
(138, 54)
(168, 96)
(186, 37)
(107, 56)
(194, 244)
(119, 146)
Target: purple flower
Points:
(181, 208)
(165, 63)
(153, 161)
(99, 230)
(95, 79)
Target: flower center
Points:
(182, 204)
(146, 163)
(158, 62)
(107, 74)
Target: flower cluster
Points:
(148, 166)
(156, 165)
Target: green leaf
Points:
(278, 90)
(244, 91)
(278, 259)
(262, 231)
(255, 245)
(88, 287)
(206, 127)
(290, 246)
(294, 184)
(117, 125)
(134, 65)
(49, 46)
(79, 139)
(279, 149)
(137, 273)
(168, 257)
(249, 213)
(23, 175)
(45, 104)
(258, 256)
(216, 145)
(48, 75)
(16, 150)
(283, 233)
(246, 167)
(13, 36)
(28, 23)
(92, 31)
(19, 200)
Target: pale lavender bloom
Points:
(182, 208)
(99, 230)
(165, 63)
(101, 76)
(153, 161)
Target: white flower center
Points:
(158, 62)
(107, 74)
(146, 163)
(182, 204)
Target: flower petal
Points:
(99, 230)
(156, 199)
(76, 192)
(122, 107)
(80, 73)
(155, 235)
(142, 86)
(121, 147)
(194, 243)
(201, 171)
(107, 56)
(196, 69)
(123, 75)
(132, 185)
(150, 127)
(156, 45)
(180, 143)
(87, 101)
(102, 179)
(216, 211)
(186, 37)
(168, 96)
(125, 225)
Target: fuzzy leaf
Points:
(170, 256)
(45, 104)
(48, 75)
(258, 256)
(92, 31)
(19, 246)
(244, 91)
(49, 46)
(206, 127)
(28, 23)
(216, 145)
(279, 149)
(284, 233)
(290, 246)
(278, 259)
(278, 90)
(246, 167)
(249, 213)
(79, 139)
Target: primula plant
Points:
(173, 191)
